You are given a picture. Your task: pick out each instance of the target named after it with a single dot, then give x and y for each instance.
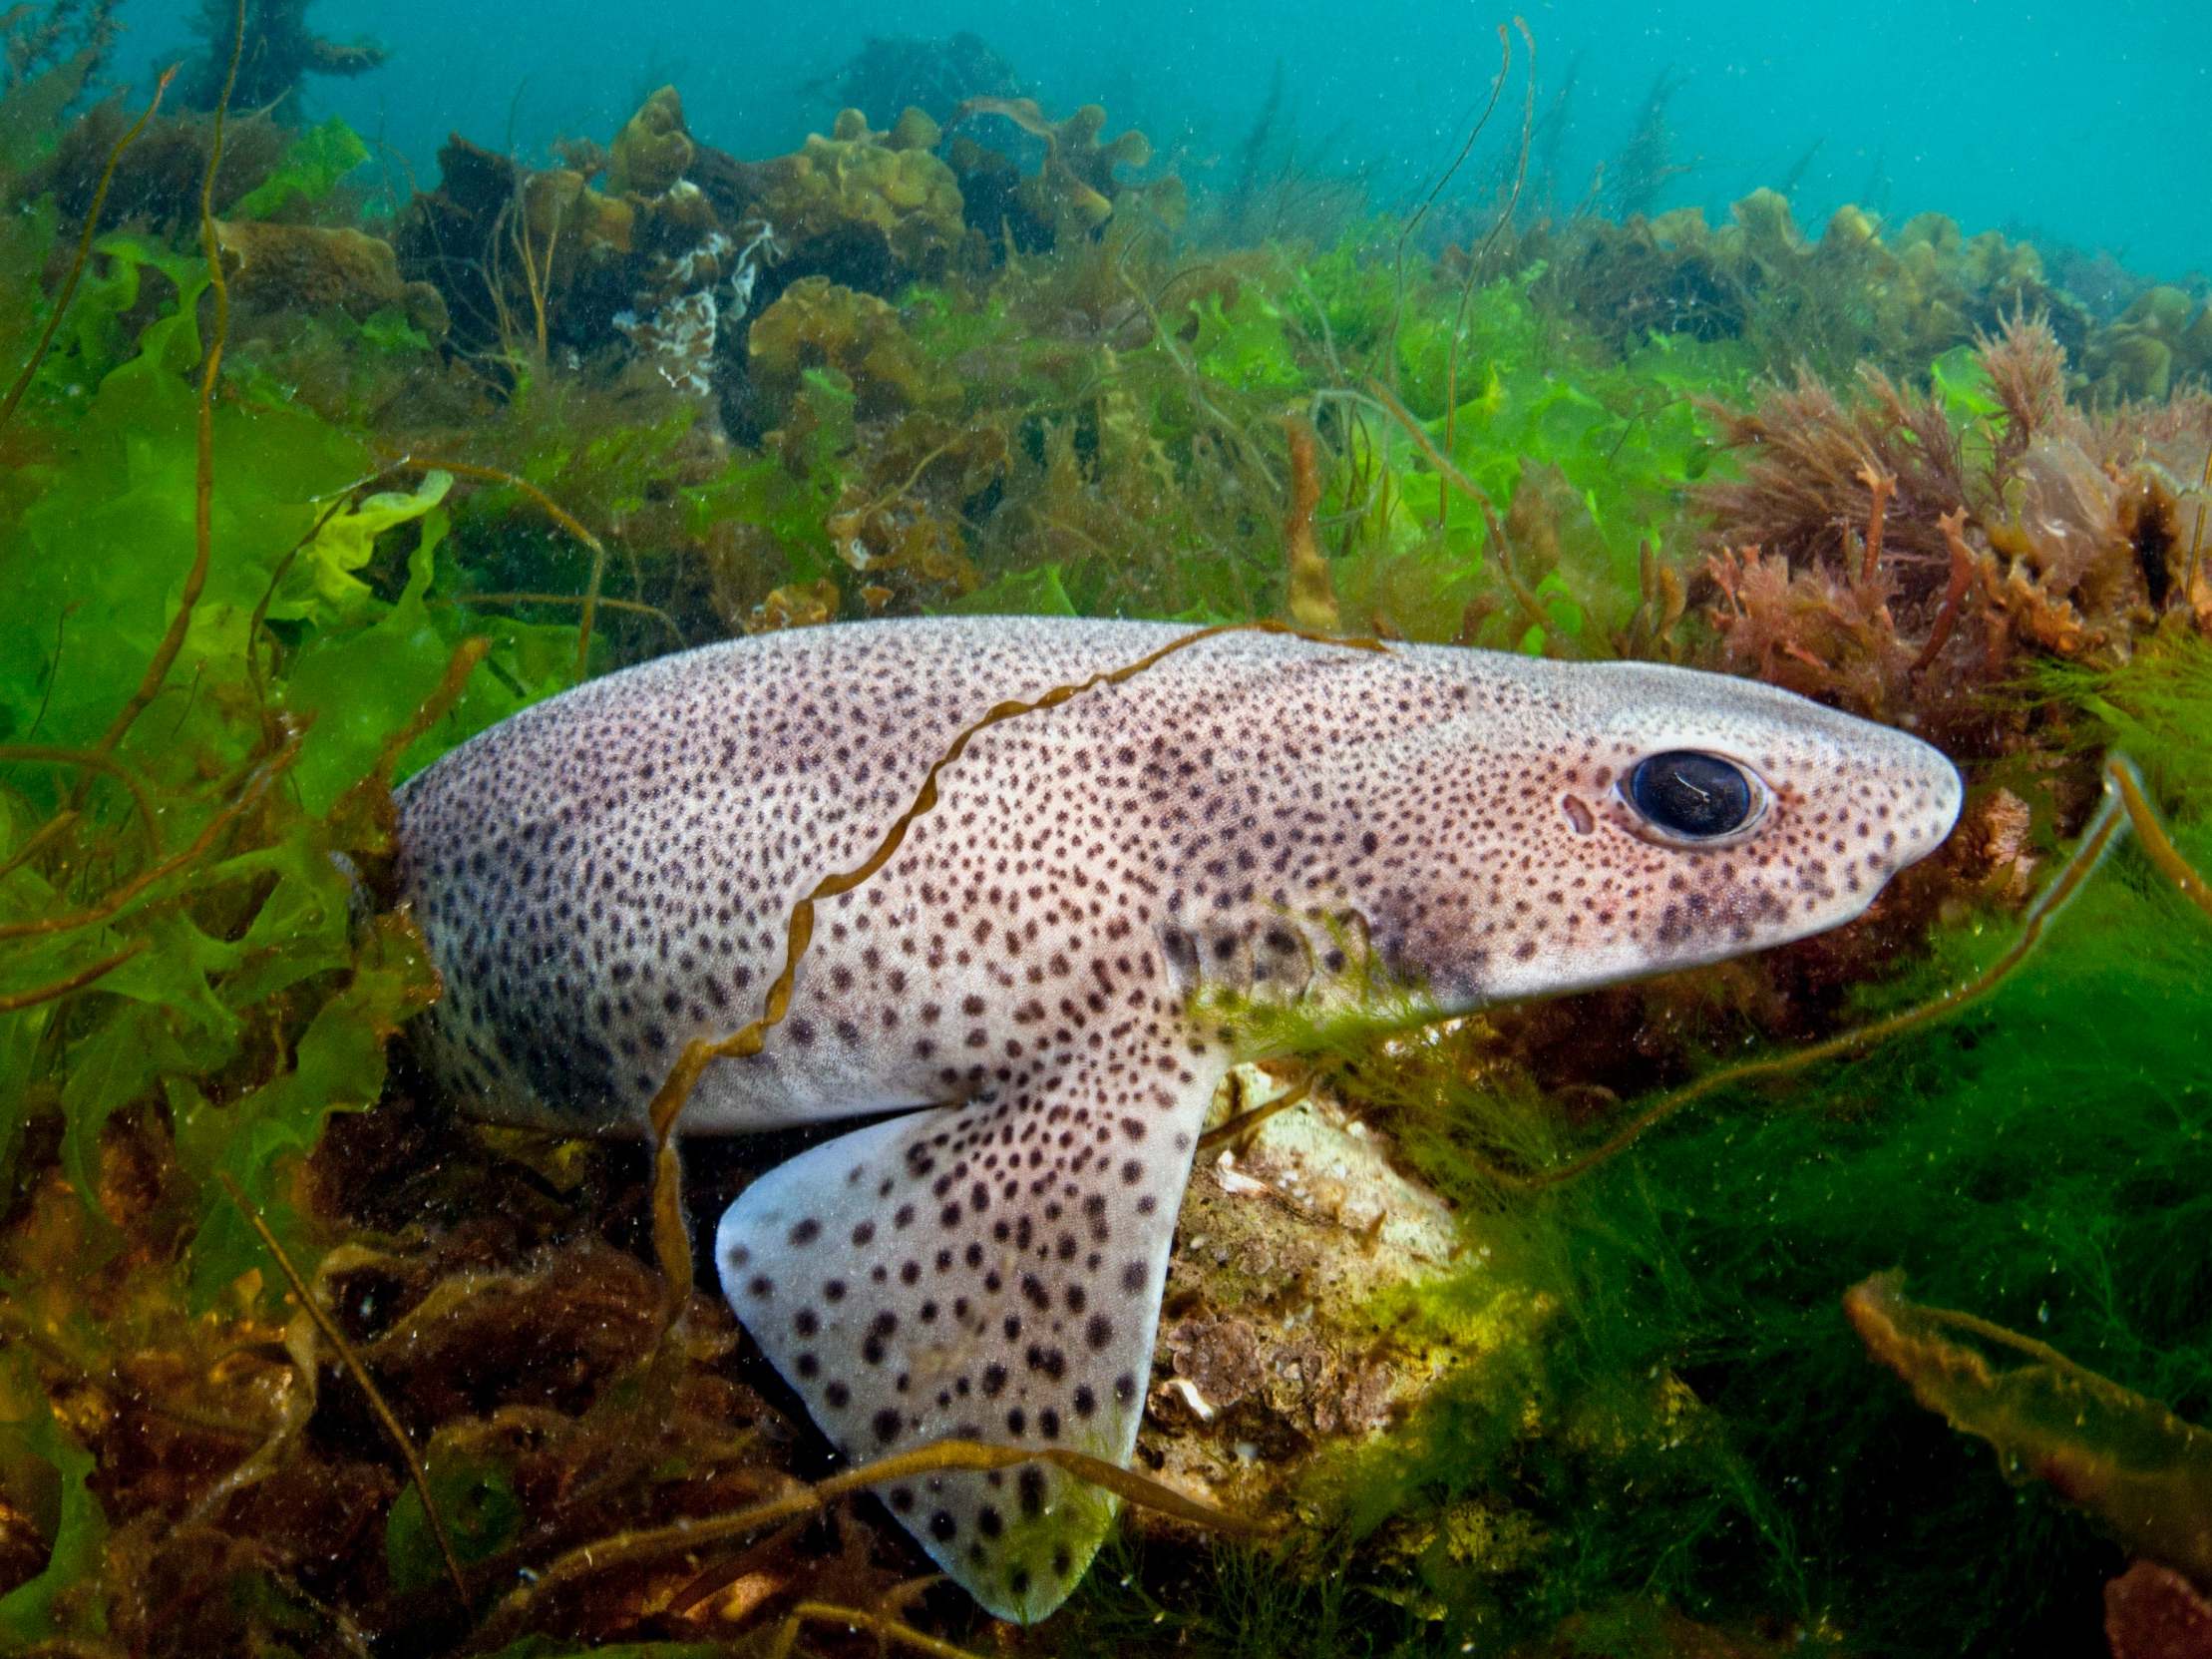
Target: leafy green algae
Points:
(181, 858)
(311, 168)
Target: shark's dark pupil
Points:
(1690, 794)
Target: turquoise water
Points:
(2082, 121)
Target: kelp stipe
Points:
(2143, 1474)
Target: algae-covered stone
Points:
(817, 323)
(1270, 1344)
(885, 186)
(313, 269)
(653, 148)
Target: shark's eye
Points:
(1694, 797)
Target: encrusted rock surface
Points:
(1270, 1344)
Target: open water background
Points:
(2089, 123)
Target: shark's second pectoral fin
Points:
(989, 1271)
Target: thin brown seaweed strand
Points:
(416, 1474)
(1389, 348)
(1248, 1123)
(2158, 847)
(631, 607)
(17, 1002)
(672, 1237)
(882, 1626)
(590, 599)
(113, 905)
(1881, 1294)
(554, 510)
(1450, 474)
(940, 1456)
(722, 1575)
(2111, 813)
(373, 793)
(1948, 609)
(76, 275)
(1504, 221)
(94, 762)
(35, 843)
(1479, 256)
(203, 466)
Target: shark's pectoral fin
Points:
(989, 1271)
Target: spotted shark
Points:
(1020, 995)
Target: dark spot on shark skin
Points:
(1023, 964)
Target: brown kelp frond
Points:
(1312, 591)
(2143, 1474)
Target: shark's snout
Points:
(1929, 793)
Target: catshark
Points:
(1020, 991)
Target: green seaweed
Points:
(1036, 593)
(30, 1434)
(227, 997)
(311, 168)
(1243, 346)
(476, 1497)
